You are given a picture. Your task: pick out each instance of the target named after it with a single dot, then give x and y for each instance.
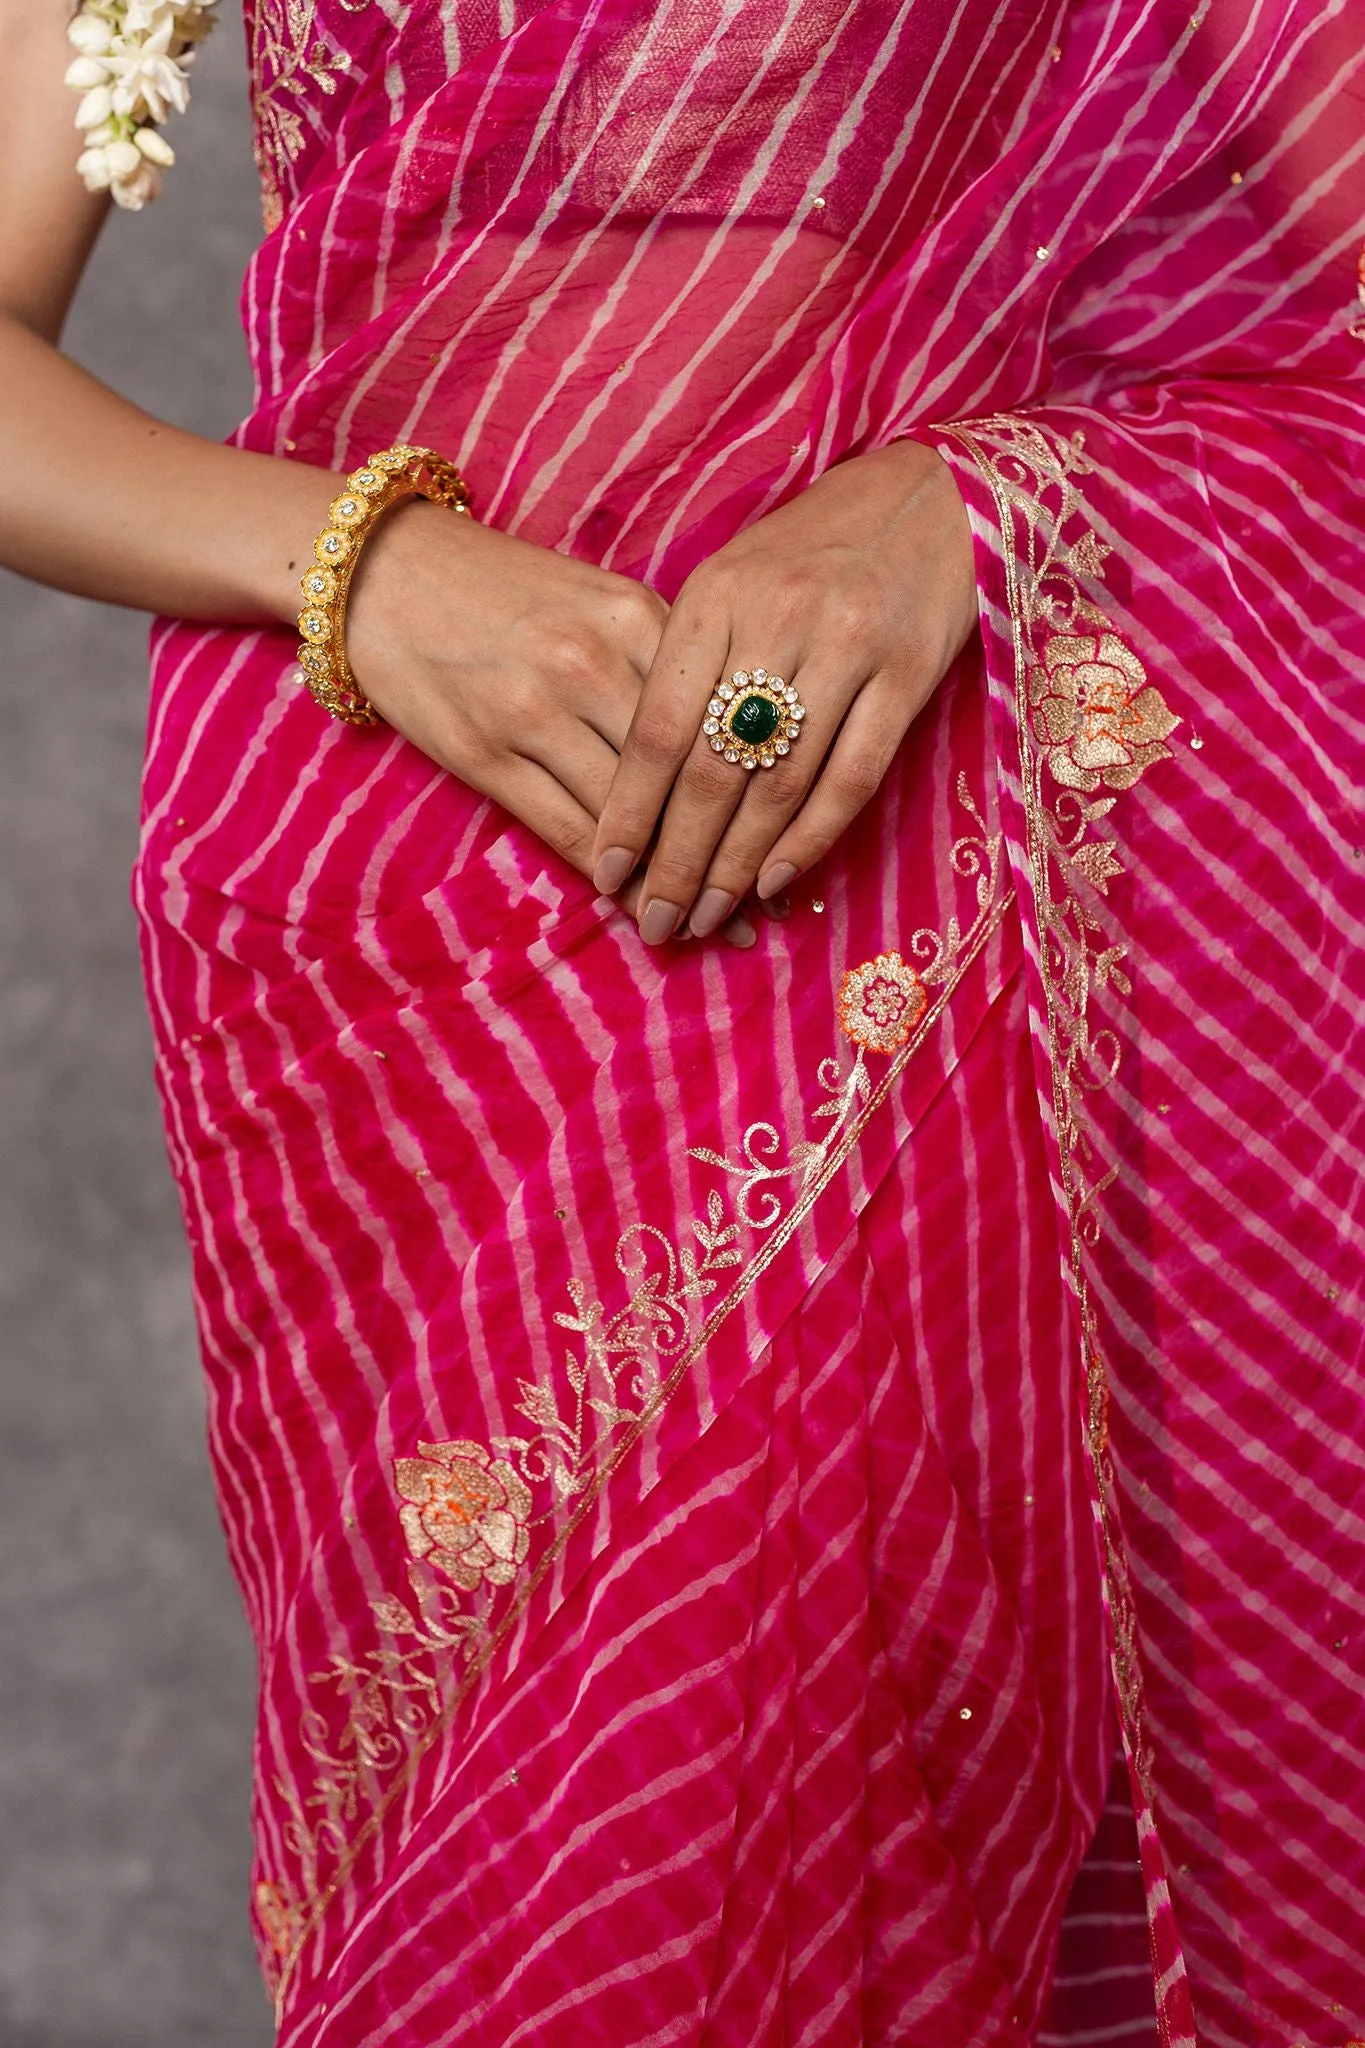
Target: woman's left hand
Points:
(860, 592)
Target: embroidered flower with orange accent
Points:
(278, 1918)
(1095, 712)
(466, 1512)
(881, 1002)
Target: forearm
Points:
(99, 498)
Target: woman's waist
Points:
(275, 842)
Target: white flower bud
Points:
(125, 160)
(155, 147)
(95, 107)
(90, 34)
(84, 72)
(133, 193)
(93, 167)
(107, 131)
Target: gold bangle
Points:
(393, 474)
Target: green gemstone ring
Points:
(753, 719)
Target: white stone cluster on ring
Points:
(132, 67)
(753, 719)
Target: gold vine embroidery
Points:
(1090, 726)
(467, 1516)
(290, 59)
(470, 1512)
(880, 1004)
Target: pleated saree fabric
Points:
(717, 1446)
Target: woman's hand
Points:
(515, 668)
(861, 592)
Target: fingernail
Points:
(657, 921)
(613, 868)
(740, 932)
(712, 907)
(774, 878)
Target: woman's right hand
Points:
(515, 668)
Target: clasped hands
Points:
(576, 698)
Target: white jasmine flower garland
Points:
(132, 69)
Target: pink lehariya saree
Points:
(720, 1448)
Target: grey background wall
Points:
(126, 1673)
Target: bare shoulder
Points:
(49, 222)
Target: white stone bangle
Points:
(132, 67)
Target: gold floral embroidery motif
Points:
(278, 1918)
(466, 1513)
(1094, 712)
(289, 58)
(881, 1002)
(483, 1525)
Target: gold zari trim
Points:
(1089, 725)
(289, 59)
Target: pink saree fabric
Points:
(716, 1444)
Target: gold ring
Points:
(753, 719)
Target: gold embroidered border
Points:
(1089, 718)
(810, 1167)
(287, 58)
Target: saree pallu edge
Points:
(1224, 1379)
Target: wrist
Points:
(399, 563)
(932, 482)
(364, 507)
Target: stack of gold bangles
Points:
(393, 474)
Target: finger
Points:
(610, 704)
(578, 758)
(687, 868)
(537, 797)
(705, 797)
(662, 734)
(738, 932)
(541, 801)
(850, 777)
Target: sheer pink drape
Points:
(683, 1420)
